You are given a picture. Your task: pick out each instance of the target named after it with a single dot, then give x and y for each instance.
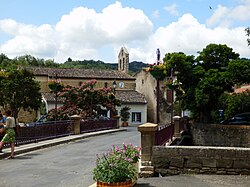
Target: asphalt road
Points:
(71, 165)
(67, 165)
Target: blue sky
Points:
(96, 29)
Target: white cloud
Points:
(28, 39)
(85, 34)
(172, 9)
(225, 16)
(79, 34)
(189, 36)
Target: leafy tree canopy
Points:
(216, 56)
(19, 90)
(203, 80)
(248, 35)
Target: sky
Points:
(97, 29)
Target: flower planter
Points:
(157, 74)
(124, 124)
(120, 184)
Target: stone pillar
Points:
(76, 123)
(117, 118)
(148, 131)
(176, 126)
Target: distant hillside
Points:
(92, 64)
(136, 66)
(87, 64)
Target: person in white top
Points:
(10, 134)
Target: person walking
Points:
(9, 136)
(2, 121)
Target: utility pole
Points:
(56, 99)
(158, 90)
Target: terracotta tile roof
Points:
(80, 73)
(243, 88)
(130, 97)
(126, 97)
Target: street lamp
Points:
(114, 86)
(158, 53)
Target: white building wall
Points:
(142, 108)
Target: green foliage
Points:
(87, 64)
(248, 35)
(28, 60)
(125, 114)
(114, 166)
(203, 80)
(233, 104)
(216, 56)
(136, 66)
(239, 71)
(19, 90)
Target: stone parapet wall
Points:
(174, 160)
(221, 135)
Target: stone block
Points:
(221, 172)
(147, 168)
(224, 163)
(211, 163)
(177, 162)
(241, 164)
(146, 174)
(193, 163)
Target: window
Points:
(136, 116)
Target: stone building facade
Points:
(147, 85)
(124, 90)
(123, 60)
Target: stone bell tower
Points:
(123, 60)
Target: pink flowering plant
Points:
(128, 152)
(117, 165)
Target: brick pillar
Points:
(148, 131)
(177, 126)
(76, 123)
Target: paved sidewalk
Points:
(56, 141)
(194, 181)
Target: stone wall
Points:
(221, 135)
(173, 160)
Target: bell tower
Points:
(123, 60)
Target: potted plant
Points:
(158, 71)
(125, 114)
(117, 168)
(55, 85)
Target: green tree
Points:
(239, 71)
(248, 35)
(233, 104)
(216, 56)
(203, 80)
(19, 91)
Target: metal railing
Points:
(46, 131)
(164, 134)
(97, 125)
(56, 129)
